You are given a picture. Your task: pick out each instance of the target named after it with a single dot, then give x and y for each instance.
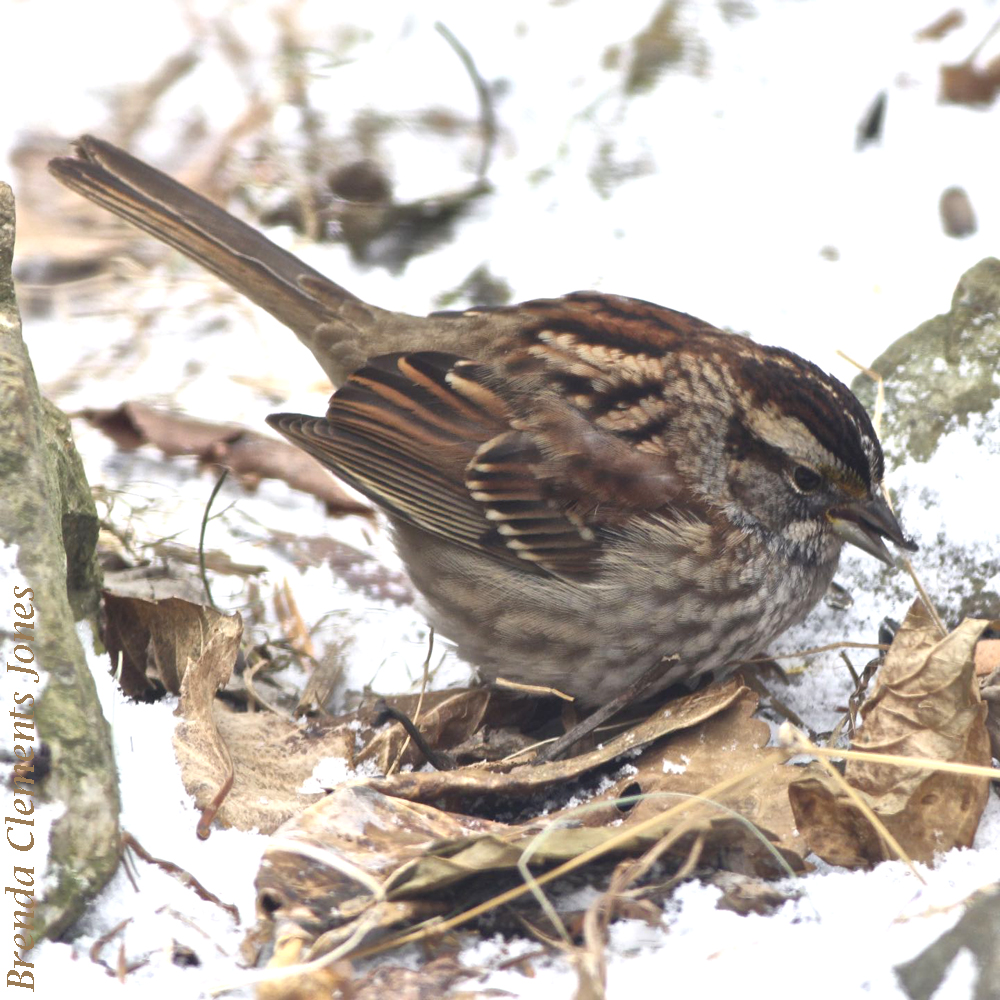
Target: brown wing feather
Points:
(426, 437)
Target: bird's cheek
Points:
(758, 496)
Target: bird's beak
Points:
(864, 523)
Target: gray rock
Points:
(943, 372)
(941, 434)
(47, 512)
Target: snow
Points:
(755, 172)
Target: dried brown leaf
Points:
(356, 568)
(157, 582)
(721, 747)
(966, 84)
(157, 640)
(356, 839)
(453, 787)
(271, 757)
(216, 561)
(941, 26)
(379, 853)
(327, 672)
(251, 456)
(132, 425)
(201, 677)
(925, 704)
(347, 863)
(444, 725)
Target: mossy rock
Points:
(48, 530)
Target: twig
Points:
(201, 538)
(437, 759)
(850, 669)
(182, 876)
(204, 828)
(487, 118)
(420, 704)
(256, 696)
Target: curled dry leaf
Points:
(251, 456)
(925, 704)
(157, 641)
(359, 863)
(274, 757)
(385, 852)
(688, 762)
(453, 788)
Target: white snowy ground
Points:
(753, 172)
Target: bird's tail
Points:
(335, 325)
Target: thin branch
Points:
(201, 538)
(487, 118)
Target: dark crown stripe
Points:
(830, 411)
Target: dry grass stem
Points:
(879, 390)
(918, 763)
(829, 647)
(924, 596)
(532, 688)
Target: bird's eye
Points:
(806, 480)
